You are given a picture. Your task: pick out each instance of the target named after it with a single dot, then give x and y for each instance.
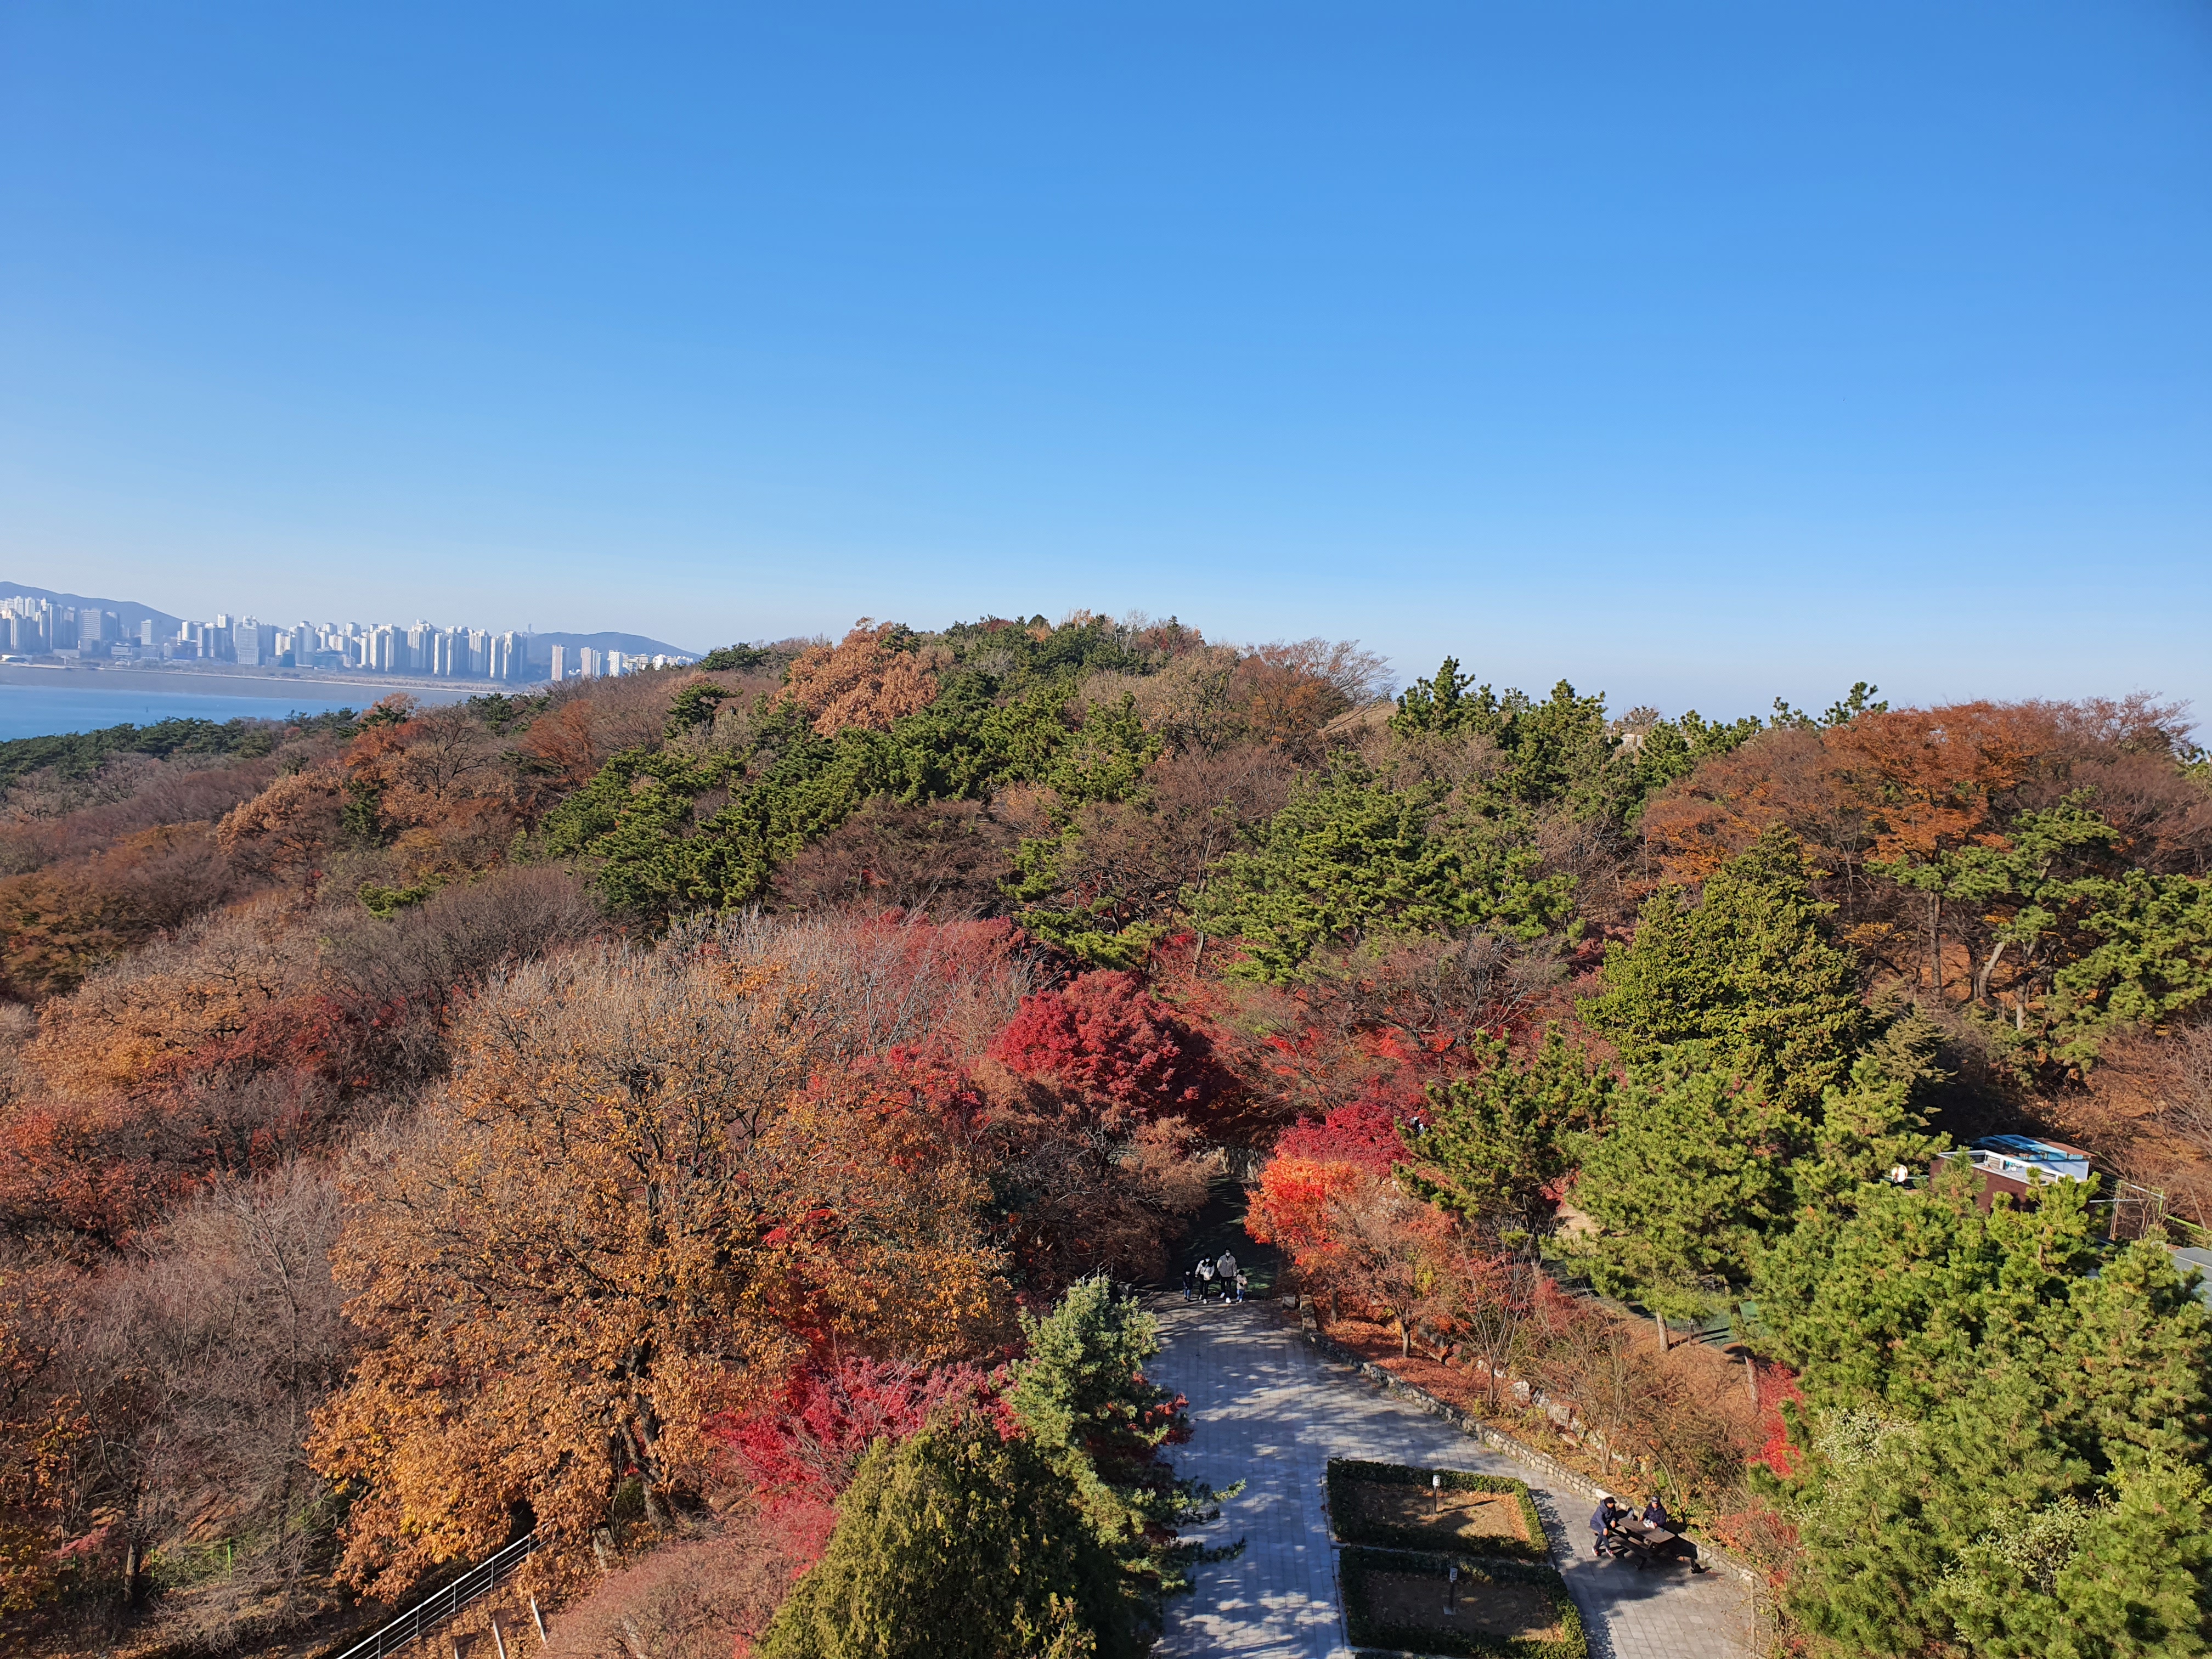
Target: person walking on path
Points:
(1205, 1279)
(1241, 1282)
(1186, 1284)
(1226, 1268)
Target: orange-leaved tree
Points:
(623, 1215)
(1321, 1173)
(868, 680)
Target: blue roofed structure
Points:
(2022, 1157)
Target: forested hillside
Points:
(703, 1117)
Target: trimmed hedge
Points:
(1344, 1471)
(1366, 1630)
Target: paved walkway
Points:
(1269, 1410)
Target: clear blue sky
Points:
(1695, 352)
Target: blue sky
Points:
(1698, 353)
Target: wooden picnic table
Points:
(1645, 1543)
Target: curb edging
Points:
(1475, 1429)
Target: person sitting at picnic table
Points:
(1656, 1537)
(1605, 1521)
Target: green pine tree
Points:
(1874, 1125)
(1688, 1177)
(1496, 1139)
(1081, 1396)
(1750, 970)
(1351, 856)
(2138, 1584)
(2006, 1440)
(957, 1545)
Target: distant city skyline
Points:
(46, 626)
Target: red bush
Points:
(1105, 1035)
(799, 1451)
(1778, 1387)
(1362, 1132)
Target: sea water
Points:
(38, 711)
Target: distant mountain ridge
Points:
(628, 644)
(132, 613)
(130, 610)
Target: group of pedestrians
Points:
(1221, 1273)
(1653, 1537)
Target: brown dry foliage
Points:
(705, 1599)
(130, 1023)
(1140, 856)
(940, 857)
(1211, 697)
(164, 1404)
(288, 827)
(1096, 1189)
(883, 982)
(66, 919)
(1915, 782)
(1287, 694)
(865, 680)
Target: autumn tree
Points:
(1495, 1294)
(944, 857)
(1083, 1185)
(1104, 1034)
(1384, 1251)
(799, 1448)
(1317, 1166)
(158, 1411)
(622, 1207)
(876, 674)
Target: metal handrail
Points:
(435, 1608)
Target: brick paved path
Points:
(1269, 1410)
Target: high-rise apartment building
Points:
(507, 658)
(253, 644)
(559, 664)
